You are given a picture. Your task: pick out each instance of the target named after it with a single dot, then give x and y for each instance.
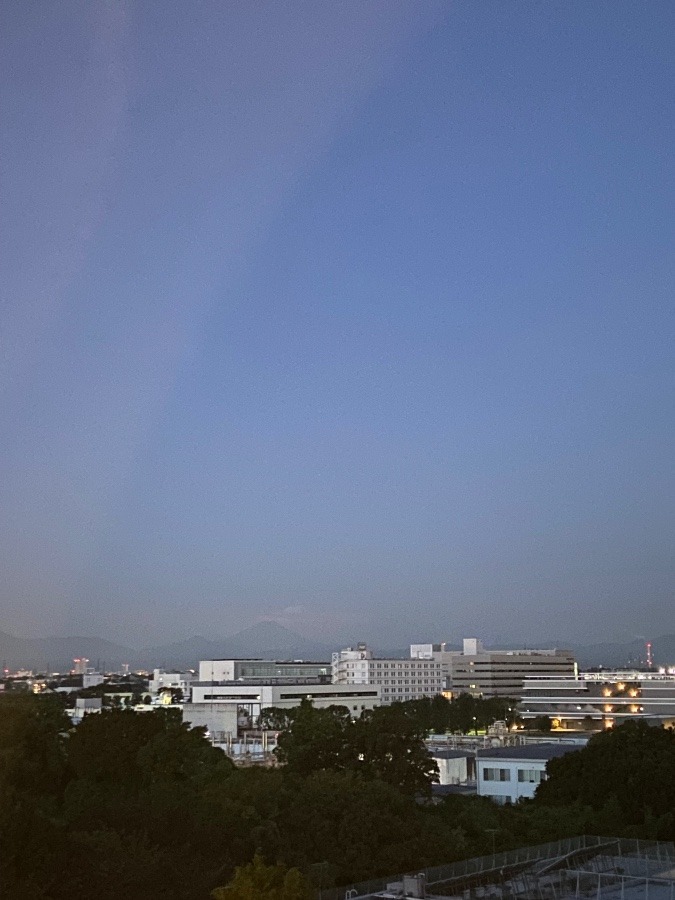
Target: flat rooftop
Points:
(528, 751)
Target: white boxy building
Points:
(286, 694)
(509, 774)
(163, 681)
(398, 679)
(225, 707)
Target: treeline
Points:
(429, 715)
(462, 715)
(139, 805)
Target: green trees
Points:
(316, 739)
(256, 881)
(335, 826)
(627, 771)
(463, 714)
(115, 807)
(386, 743)
(33, 773)
(140, 805)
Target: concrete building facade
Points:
(398, 679)
(502, 673)
(233, 706)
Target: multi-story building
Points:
(228, 706)
(595, 700)
(398, 679)
(501, 673)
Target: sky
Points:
(356, 316)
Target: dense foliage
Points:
(627, 774)
(257, 881)
(386, 744)
(139, 805)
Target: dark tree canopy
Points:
(258, 881)
(631, 767)
(139, 805)
(386, 743)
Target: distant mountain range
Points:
(267, 640)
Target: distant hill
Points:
(56, 654)
(267, 640)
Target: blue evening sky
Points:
(355, 315)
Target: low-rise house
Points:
(509, 774)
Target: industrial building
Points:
(595, 700)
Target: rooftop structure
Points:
(245, 669)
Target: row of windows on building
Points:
(531, 776)
(407, 666)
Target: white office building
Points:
(510, 774)
(398, 679)
(227, 707)
(167, 681)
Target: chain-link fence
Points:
(571, 867)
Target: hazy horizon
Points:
(358, 317)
